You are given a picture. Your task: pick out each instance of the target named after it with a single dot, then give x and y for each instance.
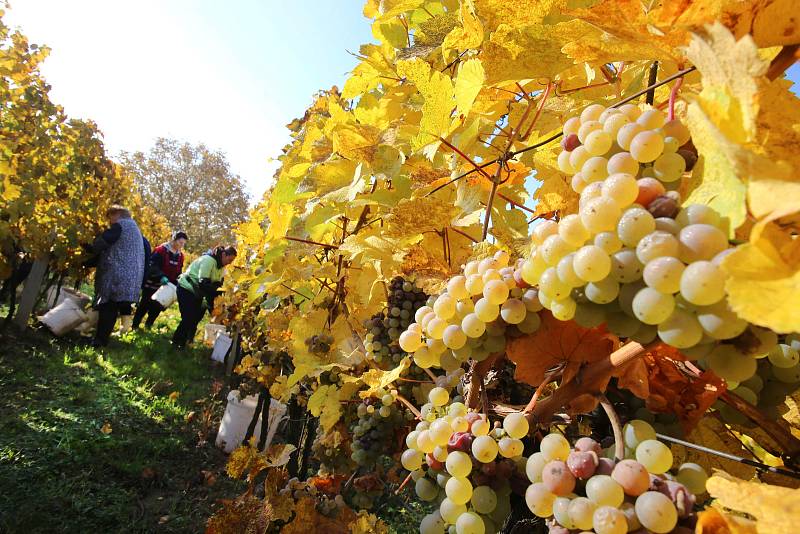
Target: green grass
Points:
(59, 472)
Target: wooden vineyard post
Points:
(30, 291)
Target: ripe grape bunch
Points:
(457, 459)
(581, 488)
(632, 257)
(472, 318)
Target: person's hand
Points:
(164, 280)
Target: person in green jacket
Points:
(197, 288)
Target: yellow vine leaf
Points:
(468, 84)
(377, 379)
(324, 403)
(367, 523)
(437, 91)
(711, 432)
(775, 509)
(469, 35)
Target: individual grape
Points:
(594, 169)
(646, 146)
(410, 341)
(572, 231)
(664, 274)
(543, 229)
(702, 283)
(645, 334)
(474, 284)
(586, 129)
(604, 491)
(539, 500)
(701, 242)
(652, 307)
(655, 245)
(602, 292)
(554, 447)
(651, 119)
(572, 125)
(625, 266)
(649, 189)
(608, 241)
(592, 112)
(622, 325)
(731, 364)
(671, 145)
(581, 512)
(669, 167)
(609, 520)
(622, 188)
(516, 425)
(436, 327)
(484, 449)
(431, 524)
(553, 249)
(681, 330)
(788, 375)
(440, 453)
(720, 322)
(490, 275)
(636, 431)
(634, 224)
(445, 306)
(438, 396)
(783, 356)
(484, 500)
(578, 157)
(694, 477)
(627, 133)
(654, 456)
(577, 183)
(587, 444)
(589, 315)
(426, 490)
(632, 476)
(486, 311)
(450, 511)
(454, 338)
(664, 207)
(656, 512)
(591, 263)
(613, 123)
(566, 272)
(551, 285)
(665, 224)
(422, 312)
(598, 142)
(699, 214)
(472, 326)
(557, 477)
(599, 215)
(563, 161)
(530, 324)
(440, 432)
(564, 309)
(411, 459)
(513, 311)
(582, 464)
(534, 466)
(459, 490)
(623, 163)
(561, 513)
(458, 464)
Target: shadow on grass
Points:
(119, 440)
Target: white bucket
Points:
(64, 318)
(238, 414)
(166, 295)
(211, 333)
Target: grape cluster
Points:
(374, 432)
(632, 257)
(581, 488)
(319, 343)
(457, 459)
(473, 317)
(384, 328)
(326, 505)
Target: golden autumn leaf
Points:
(437, 91)
(713, 521)
(308, 519)
(469, 83)
(775, 509)
(712, 433)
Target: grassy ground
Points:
(109, 441)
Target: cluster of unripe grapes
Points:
(581, 489)
(473, 316)
(374, 431)
(327, 506)
(319, 343)
(384, 328)
(460, 461)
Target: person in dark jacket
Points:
(166, 264)
(197, 288)
(119, 256)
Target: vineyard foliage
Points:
(56, 179)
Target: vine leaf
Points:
(712, 433)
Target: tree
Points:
(193, 187)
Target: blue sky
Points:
(231, 75)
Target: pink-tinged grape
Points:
(513, 311)
(544, 229)
(783, 356)
(633, 225)
(411, 459)
(531, 300)
(669, 167)
(600, 214)
(582, 464)
(604, 491)
(605, 466)
(592, 112)
(554, 447)
(557, 477)
(681, 330)
(636, 431)
(625, 266)
(594, 169)
(679, 494)
(450, 511)
(654, 456)
(608, 241)
(622, 162)
(627, 133)
(484, 500)
(664, 274)
(613, 123)
(602, 292)
(566, 272)
(720, 322)
(561, 513)
(570, 142)
(516, 425)
(649, 189)
(609, 520)
(431, 524)
(598, 142)
(572, 125)
(587, 444)
(656, 245)
(675, 128)
(652, 307)
(484, 449)
(731, 364)
(591, 263)
(701, 242)
(486, 311)
(646, 146)
(534, 466)
(552, 286)
(694, 477)
(454, 338)
(459, 490)
(564, 309)
(572, 230)
(553, 249)
(458, 464)
(656, 512)
(702, 283)
(632, 476)
(578, 157)
(581, 512)
(621, 188)
(460, 441)
(651, 119)
(540, 500)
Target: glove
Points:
(164, 280)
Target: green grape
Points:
(665, 224)
(783, 356)
(431, 524)
(563, 163)
(495, 291)
(411, 459)
(652, 307)
(586, 128)
(681, 330)
(592, 112)
(445, 306)
(664, 274)
(692, 476)
(702, 283)
(621, 324)
(484, 500)
(599, 215)
(459, 490)
(677, 130)
(510, 447)
(564, 309)
(480, 427)
(613, 123)
(636, 431)
(454, 338)
(440, 452)
(473, 326)
(656, 512)
(539, 500)
(621, 188)
(513, 311)
(484, 448)
(589, 315)
(698, 214)
(633, 225)
(534, 466)
(486, 311)
(609, 520)
(516, 425)
(426, 490)
(566, 272)
(646, 146)
(701, 242)
(438, 396)
(608, 241)
(625, 266)
(470, 523)
(530, 324)
(669, 167)
(457, 287)
(409, 341)
(551, 285)
(474, 284)
(651, 119)
(458, 464)
(654, 456)
(602, 292)
(788, 375)
(731, 364)
(655, 245)
(604, 491)
(450, 510)
(581, 513)
(623, 162)
(720, 322)
(561, 512)
(591, 263)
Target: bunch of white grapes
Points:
(457, 459)
(471, 318)
(582, 489)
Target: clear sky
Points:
(229, 74)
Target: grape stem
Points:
(536, 394)
(410, 406)
(430, 374)
(309, 242)
(673, 95)
(616, 425)
(403, 485)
